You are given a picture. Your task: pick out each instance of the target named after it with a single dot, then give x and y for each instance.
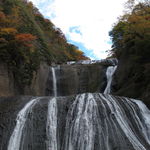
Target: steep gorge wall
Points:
(6, 81)
(79, 78)
(8, 86)
(132, 79)
(71, 79)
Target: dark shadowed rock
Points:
(74, 79)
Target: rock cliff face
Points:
(6, 81)
(74, 79)
(8, 85)
(132, 79)
(39, 81)
(71, 79)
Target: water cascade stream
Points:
(54, 82)
(51, 127)
(101, 122)
(91, 122)
(109, 74)
(15, 139)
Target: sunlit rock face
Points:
(83, 122)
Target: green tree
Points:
(131, 34)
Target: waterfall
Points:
(144, 111)
(51, 128)
(85, 122)
(105, 122)
(15, 139)
(54, 82)
(81, 121)
(109, 73)
(121, 122)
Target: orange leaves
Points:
(80, 55)
(2, 16)
(8, 31)
(2, 19)
(25, 39)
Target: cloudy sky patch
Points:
(86, 23)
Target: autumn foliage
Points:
(131, 34)
(2, 16)
(8, 31)
(25, 39)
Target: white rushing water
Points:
(80, 125)
(145, 113)
(93, 122)
(54, 82)
(109, 73)
(110, 122)
(51, 128)
(15, 139)
(122, 122)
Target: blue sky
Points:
(85, 23)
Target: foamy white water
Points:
(101, 122)
(81, 120)
(109, 73)
(54, 82)
(51, 128)
(15, 139)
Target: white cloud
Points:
(93, 18)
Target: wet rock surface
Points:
(75, 79)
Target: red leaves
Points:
(2, 16)
(25, 39)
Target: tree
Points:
(132, 32)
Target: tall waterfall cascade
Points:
(51, 128)
(15, 139)
(109, 74)
(101, 122)
(87, 121)
(91, 122)
(54, 82)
